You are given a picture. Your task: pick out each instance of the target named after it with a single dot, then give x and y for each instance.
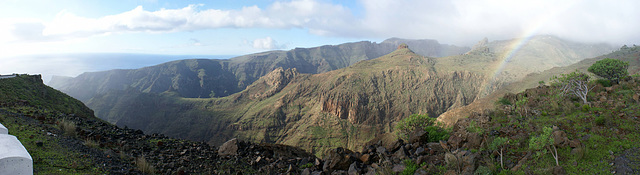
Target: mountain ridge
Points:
(340, 108)
(235, 73)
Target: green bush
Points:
(604, 82)
(474, 129)
(483, 170)
(601, 120)
(424, 122)
(610, 69)
(586, 108)
(411, 167)
(504, 101)
(436, 134)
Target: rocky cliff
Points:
(341, 108)
(345, 107)
(202, 78)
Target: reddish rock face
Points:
(403, 46)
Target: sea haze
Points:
(72, 65)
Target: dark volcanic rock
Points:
(229, 148)
(338, 159)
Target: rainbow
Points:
(524, 38)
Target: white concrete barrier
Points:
(3, 130)
(14, 158)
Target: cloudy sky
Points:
(236, 27)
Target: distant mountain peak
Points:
(403, 46)
(480, 47)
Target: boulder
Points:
(419, 151)
(353, 169)
(559, 170)
(560, 138)
(418, 135)
(421, 172)
(338, 159)
(400, 154)
(473, 141)
(398, 168)
(229, 148)
(435, 147)
(575, 143)
(455, 141)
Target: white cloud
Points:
(456, 22)
(294, 14)
(266, 43)
(466, 21)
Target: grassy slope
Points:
(606, 129)
(27, 96)
(630, 55)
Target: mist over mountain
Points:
(317, 98)
(72, 65)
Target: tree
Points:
(498, 144)
(576, 83)
(544, 140)
(610, 69)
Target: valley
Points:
(320, 106)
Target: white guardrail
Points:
(14, 158)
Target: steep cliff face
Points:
(317, 109)
(346, 107)
(270, 84)
(195, 78)
(202, 78)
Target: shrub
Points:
(474, 129)
(68, 127)
(542, 141)
(575, 83)
(91, 143)
(498, 145)
(423, 122)
(145, 166)
(504, 101)
(601, 120)
(411, 167)
(610, 69)
(604, 82)
(308, 165)
(586, 108)
(483, 170)
(436, 134)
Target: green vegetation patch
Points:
(49, 156)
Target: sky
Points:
(235, 27)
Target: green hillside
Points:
(628, 54)
(596, 138)
(30, 91)
(30, 110)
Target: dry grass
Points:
(91, 143)
(144, 166)
(68, 127)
